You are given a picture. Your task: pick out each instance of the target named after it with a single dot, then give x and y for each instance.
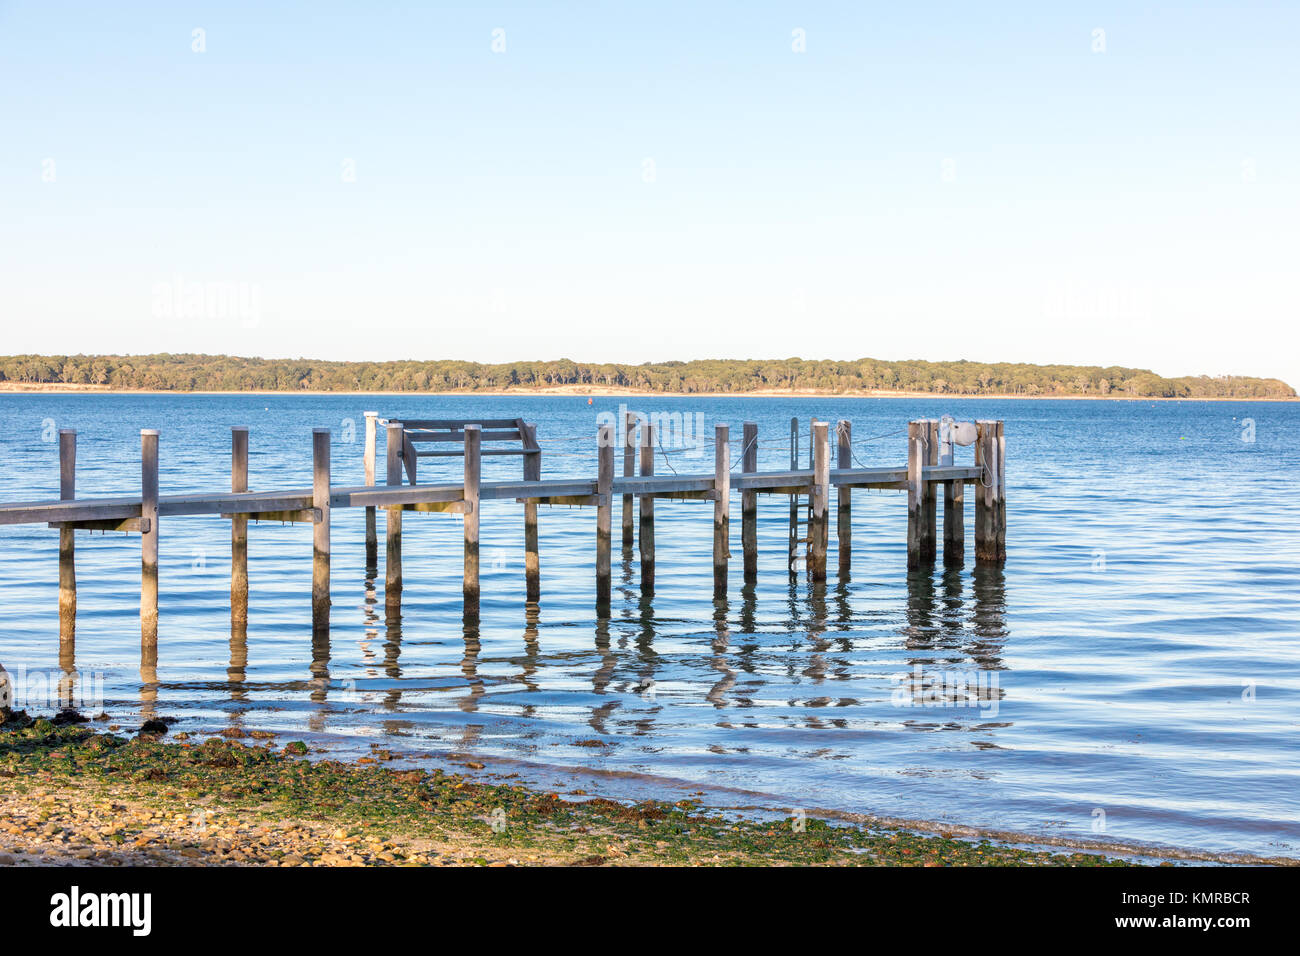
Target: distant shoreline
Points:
(598, 391)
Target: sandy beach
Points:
(89, 794)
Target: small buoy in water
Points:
(588, 401)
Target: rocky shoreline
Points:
(70, 795)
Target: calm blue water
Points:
(1141, 643)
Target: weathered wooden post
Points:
(990, 512)
(794, 499)
(149, 538)
(1002, 493)
(749, 504)
(954, 505)
(929, 542)
(532, 562)
(984, 485)
(604, 514)
(916, 457)
(67, 547)
(646, 529)
(819, 496)
(238, 528)
(320, 539)
(844, 500)
(393, 521)
(372, 538)
(473, 471)
(629, 469)
(721, 507)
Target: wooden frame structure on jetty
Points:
(929, 466)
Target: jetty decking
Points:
(929, 466)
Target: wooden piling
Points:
(149, 538)
(844, 500)
(604, 513)
(393, 520)
(954, 517)
(928, 465)
(819, 498)
(372, 538)
(990, 512)
(646, 529)
(1000, 517)
(238, 528)
(749, 504)
(721, 508)
(929, 493)
(629, 469)
(532, 561)
(473, 472)
(320, 503)
(794, 499)
(916, 432)
(67, 547)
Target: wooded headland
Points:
(222, 373)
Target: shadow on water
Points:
(720, 659)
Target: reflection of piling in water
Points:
(717, 694)
(532, 646)
(237, 670)
(392, 651)
(748, 607)
(148, 681)
(604, 673)
(921, 609)
(989, 619)
(937, 616)
(843, 608)
(469, 668)
(320, 667)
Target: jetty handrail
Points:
(55, 510)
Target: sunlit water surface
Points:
(1142, 636)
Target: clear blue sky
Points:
(635, 182)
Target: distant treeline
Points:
(183, 373)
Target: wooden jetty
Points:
(930, 465)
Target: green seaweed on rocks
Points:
(78, 795)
